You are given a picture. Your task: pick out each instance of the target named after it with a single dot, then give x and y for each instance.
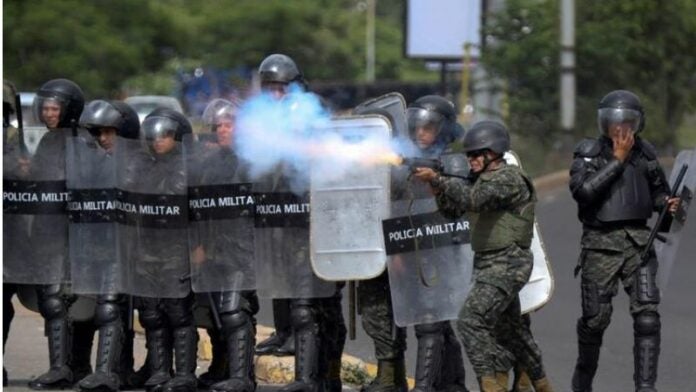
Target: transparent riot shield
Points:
(95, 266)
(682, 223)
(345, 222)
(281, 221)
(430, 258)
(221, 227)
(395, 106)
(537, 292)
(152, 211)
(35, 247)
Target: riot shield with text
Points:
(152, 211)
(281, 221)
(682, 223)
(221, 227)
(345, 221)
(34, 211)
(95, 265)
(430, 259)
(537, 292)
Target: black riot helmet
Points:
(114, 114)
(487, 135)
(62, 95)
(279, 68)
(620, 106)
(164, 122)
(218, 110)
(436, 112)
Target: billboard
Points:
(438, 29)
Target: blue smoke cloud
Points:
(289, 135)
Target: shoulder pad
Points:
(588, 148)
(648, 149)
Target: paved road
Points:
(553, 326)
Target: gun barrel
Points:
(422, 162)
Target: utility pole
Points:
(370, 41)
(568, 91)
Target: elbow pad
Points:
(599, 182)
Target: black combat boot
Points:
(59, 375)
(106, 377)
(219, 366)
(306, 354)
(452, 376)
(82, 341)
(391, 377)
(185, 356)
(159, 359)
(645, 355)
(281, 342)
(240, 346)
(428, 361)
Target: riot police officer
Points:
(276, 73)
(223, 250)
(58, 105)
(500, 206)
(158, 251)
(618, 183)
(107, 121)
(439, 363)
(316, 320)
(14, 166)
(377, 313)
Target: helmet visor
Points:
(100, 114)
(159, 127)
(609, 116)
(49, 110)
(424, 120)
(217, 111)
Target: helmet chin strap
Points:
(487, 161)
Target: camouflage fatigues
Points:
(611, 251)
(490, 323)
(378, 318)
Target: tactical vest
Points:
(629, 197)
(493, 230)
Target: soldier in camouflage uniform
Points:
(617, 182)
(499, 201)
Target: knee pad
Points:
(107, 312)
(646, 323)
(235, 320)
(53, 307)
(302, 316)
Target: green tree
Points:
(641, 45)
(97, 44)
